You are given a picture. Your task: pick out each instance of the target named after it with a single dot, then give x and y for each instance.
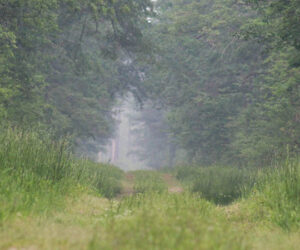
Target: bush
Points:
(221, 185)
(104, 178)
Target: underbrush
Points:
(276, 195)
(104, 178)
(148, 181)
(37, 173)
(165, 221)
(269, 195)
(24, 194)
(221, 185)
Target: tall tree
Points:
(61, 61)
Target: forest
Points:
(215, 88)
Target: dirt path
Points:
(173, 185)
(127, 185)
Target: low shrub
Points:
(221, 185)
(104, 178)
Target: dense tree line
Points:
(63, 62)
(224, 73)
(228, 75)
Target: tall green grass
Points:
(165, 221)
(37, 173)
(148, 181)
(276, 195)
(221, 185)
(271, 194)
(25, 153)
(103, 178)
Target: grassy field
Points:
(51, 200)
(146, 221)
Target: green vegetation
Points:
(162, 220)
(221, 185)
(148, 181)
(49, 199)
(62, 64)
(43, 184)
(266, 195)
(37, 173)
(276, 196)
(226, 81)
(103, 178)
(218, 83)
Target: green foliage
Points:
(164, 221)
(276, 195)
(34, 152)
(280, 21)
(148, 181)
(58, 62)
(104, 178)
(203, 74)
(221, 185)
(37, 173)
(227, 77)
(224, 73)
(155, 220)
